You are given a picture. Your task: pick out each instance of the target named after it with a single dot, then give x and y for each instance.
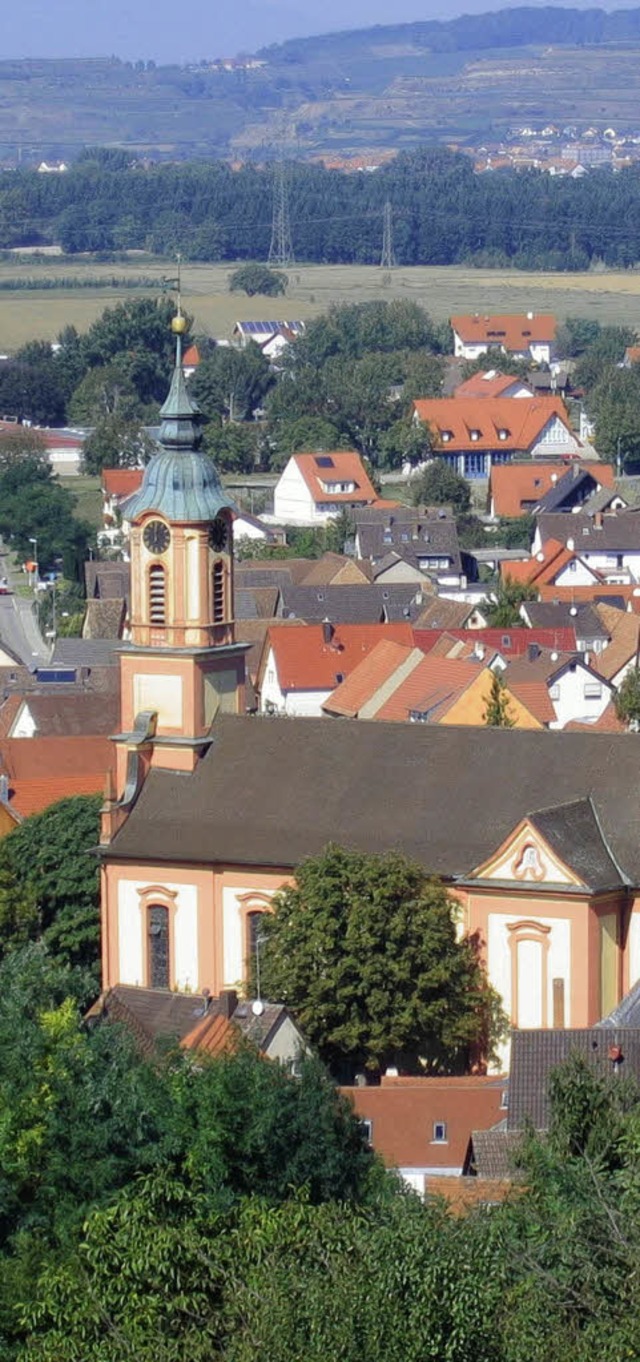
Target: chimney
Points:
(228, 1002)
(479, 650)
(327, 631)
(597, 520)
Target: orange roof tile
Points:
(513, 485)
(463, 1193)
(305, 661)
(345, 466)
(403, 1113)
(432, 686)
(43, 770)
(535, 696)
(215, 1034)
(121, 482)
(543, 567)
(632, 354)
(367, 678)
(522, 420)
(624, 631)
(607, 723)
(629, 592)
(513, 331)
(491, 384)
(191, 357)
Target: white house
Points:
(314, 488)
(261, 332)
(301, 665)
(529, 336)
(608, 545)
(577, 692)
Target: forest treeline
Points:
(442, 212)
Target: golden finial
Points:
(178, 323)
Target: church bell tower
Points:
(183, 665)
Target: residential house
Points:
(263, 332)
(441, 613)
(493, 383)
(608, 545)
(300, 667)
(69, 712)
(517, 489)
(411, 543)
(527, 336)
(473, 434)
(631, 356)
(489, 644)
(591, 633)
(554, 564)
(369, 603)
(573, 489)
(422, 689)
(40, 772)
(315, 488)
(190, 360)
(63, 447)
(203, 1024)
(422, 1126)
(623, 647)
(577, 689)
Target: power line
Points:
(281, 247)
(387, 260)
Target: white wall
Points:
(233, 947)
(292, 500)
(131, 927)
(537, 988)
(305, 704)
(572, 703)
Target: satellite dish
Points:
(257, 1007)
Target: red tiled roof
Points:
(512, 484)
(594, 591)
(191, 357)
(121, 482)
(607, 723)
(43, 770)
(534, 695)
(215, 1034)
(490, 384)
(345, 466)
(514, 331)
(523, 419)
(508, 642)
(304, 661)
(543, 567)
(632, 354)
(403, 1113)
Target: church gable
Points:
(526, 859)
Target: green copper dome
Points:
(179, 481)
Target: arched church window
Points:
(158, 934)
(219, 612)
(157, 594)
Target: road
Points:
(18, 627)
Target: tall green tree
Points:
(254, 278)
(230, 383)
(496, 712)
(440, 485)
(364, 950)
(503, 604)
(627, 699)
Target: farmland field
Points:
(25, 314)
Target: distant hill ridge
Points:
(517, 27)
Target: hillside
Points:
(375, 89)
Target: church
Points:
(536, 834)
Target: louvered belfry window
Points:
(218, 593)
(157, 594)
(158, 930)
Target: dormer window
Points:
(502, 435)
(445, 436)
(475, 434)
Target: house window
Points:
(572, 566)
(439, 1132)
(218, 592)
(592, 690)
(366, 1130)
(504, 1100)
(554, 692)
(157, 594)
(158, 946)
(502, 434)
(506, 640)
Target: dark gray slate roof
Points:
(411, 532)
(562, 615)
(570, 490)
(535, 1053)
(374, 604)
(573, 832)
(616, 534)
(86, 652)
(627, 1013)
(493, 1152)
(271, 791)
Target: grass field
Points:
(608, 297)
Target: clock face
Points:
(156, 536)
(218, 534)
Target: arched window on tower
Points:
(158, 946)
(218, 591)
(157, 594)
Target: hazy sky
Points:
(166, 30)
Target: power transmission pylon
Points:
(281, 248)
(387, 260)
